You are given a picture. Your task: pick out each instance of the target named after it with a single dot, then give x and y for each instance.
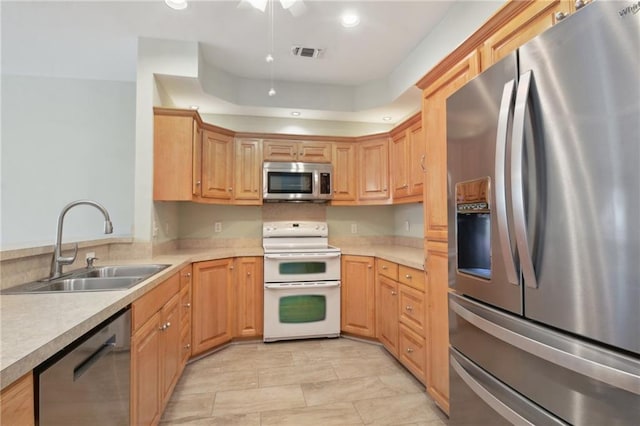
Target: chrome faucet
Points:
(58, 260)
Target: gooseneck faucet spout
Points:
(58, 260)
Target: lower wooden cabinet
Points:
(248, 297)
(186, 275)
(387, 313)
(211, 316)
(412, 351)
(155, 351)
(358, 296)
(17, 403)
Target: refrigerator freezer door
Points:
(476, 130)
(581, 179)
(576, 381)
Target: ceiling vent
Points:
(306, 52)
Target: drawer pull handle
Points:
(187, 305)
(187, 275)
(409, 350)
(384, 266)
(369, 266)
(408, 276)
(409, 308)
(187, 346)
(393, 293)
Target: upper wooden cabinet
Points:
(289, 150)
(407, 157)
(373, 169)
(344, 172)
(176, 154)
(217, 165)
(247, 188)
(533, 20)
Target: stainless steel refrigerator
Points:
(543, 153)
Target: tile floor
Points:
(307, 382)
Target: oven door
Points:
(294, 267)
(301, 309)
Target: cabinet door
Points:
(185, 313)
(171, 353)
(412, 309)
(532, 21)
(387, 313)
(211, 301)
(399, 171)
(249, 293)
(438, 323)
(275, 150)
(373, 168)
(358, 295)
(314, 152)
(417, 158)
(145, 373)
(17, 402)
(173, 160)
(217, 165)
(248, 171)
(344, 172)
(435, 127)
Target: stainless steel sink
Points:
(101, 278)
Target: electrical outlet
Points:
(166, 228)
(354, 228)
(217, 227)
(406, 226)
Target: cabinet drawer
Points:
(388, 269)
(412, 309)
(143, 308)
(411, 277)
(412, 351)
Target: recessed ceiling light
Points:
(194, 107)
(295, 113)
(386, 118)
(176, 4)
(349, 20)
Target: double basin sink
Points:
(99, 278)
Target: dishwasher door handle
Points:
(86, 364)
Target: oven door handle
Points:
(301, 286)
(301, 256)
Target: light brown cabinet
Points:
(533, 20)
(401, 316)
(186, 275)
(217, 165)
(155, 351)
(373, 170)
(407, 156)
(357, 295)
(17, 402)
(290, 150)
(247, 184)
(248, 296)
(177, 155)
(211, 316)
(344, 173)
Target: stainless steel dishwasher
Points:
(88, 382)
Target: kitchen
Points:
(169, 217)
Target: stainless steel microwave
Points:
(296, 181)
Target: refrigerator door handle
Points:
(506, 112)
(517, 184)
(616, 377)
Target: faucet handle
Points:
(90, 261)
(68, 260)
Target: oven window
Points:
(302, 309)
(290, 183)
(300, 268)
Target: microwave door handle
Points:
(506, 112)
(517, 181)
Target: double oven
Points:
(301, 281)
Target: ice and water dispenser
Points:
(473, 221)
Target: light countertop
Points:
(34, 327)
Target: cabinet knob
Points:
(384, 267)
(424, 169)
(407, 276)
(406, 185)
(167, 325)
(369, 266)
(230, 189)
(231, 268)
(561, 15)
(393, 293)
(249, 274)
(409, 308)
(409, 350)
(187, 346)
(198, 182)
(187, 305)
(187, 275)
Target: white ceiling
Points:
(97, 40)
